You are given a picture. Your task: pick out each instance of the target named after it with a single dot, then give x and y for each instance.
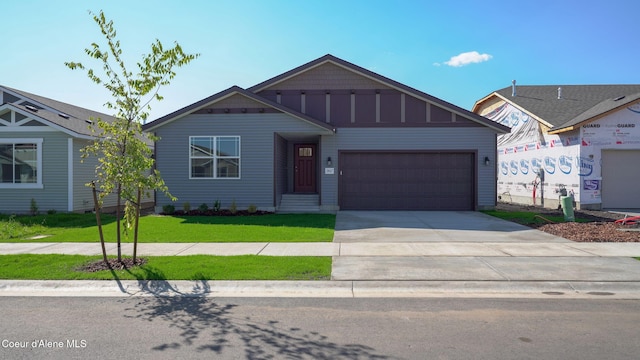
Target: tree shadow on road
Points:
(211, 327)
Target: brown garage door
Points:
(407, 181)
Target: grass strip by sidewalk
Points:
(159, 229)
(194, 267)
(527, 217)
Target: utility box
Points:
(567, 208)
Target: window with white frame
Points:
(20, 163)
(214, 157)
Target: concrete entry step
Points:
(299, 203)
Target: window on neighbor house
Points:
(20, 163)
(214, 157)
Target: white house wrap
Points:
(593, 154)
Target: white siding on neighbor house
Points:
(480, 139)
(53, 195)
(256, 184)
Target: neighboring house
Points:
(584, 138)
(40, 158)
(325, 136)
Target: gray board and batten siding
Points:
(368, 108)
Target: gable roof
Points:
(380, 79)
(578, 103)
(74, 119)
(226, 94)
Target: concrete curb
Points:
(325, 289)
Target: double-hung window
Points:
(20, 163)
(214, 157)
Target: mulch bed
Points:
(601, 228)
(593, 231)
(198, 212)
(113, 264)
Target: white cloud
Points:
(468, 58)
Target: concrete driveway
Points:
(465, 246)
(432, 226)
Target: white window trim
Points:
(38, 184)
(215, 157)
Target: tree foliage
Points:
(125, 163)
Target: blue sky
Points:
(459, 51)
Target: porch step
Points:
(299, 203)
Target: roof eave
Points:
(478, 103)
(46, 122)
(563, 129)
(576, 126)
(47, 104)
(539, 119)
(223, 95)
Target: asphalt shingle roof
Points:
(579, 103)
(78, 117)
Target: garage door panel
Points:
(619, 179)
(407, 181)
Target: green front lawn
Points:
(174, 229)
(196, 267)
(527, 217)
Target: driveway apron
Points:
(463, 246)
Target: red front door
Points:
(305, 168)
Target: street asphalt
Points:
(389, 254)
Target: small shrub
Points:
(33, 209)
(233, 208)
(216, 205)
(186, 206)
(10, 228)
(52, 211)
(203, 207)
(252, 209)
(168, 209)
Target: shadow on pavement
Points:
(213, 328)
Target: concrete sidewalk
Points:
(355, 249)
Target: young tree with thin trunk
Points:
(125, 163)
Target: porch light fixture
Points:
(486, 161)
(329, 162)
